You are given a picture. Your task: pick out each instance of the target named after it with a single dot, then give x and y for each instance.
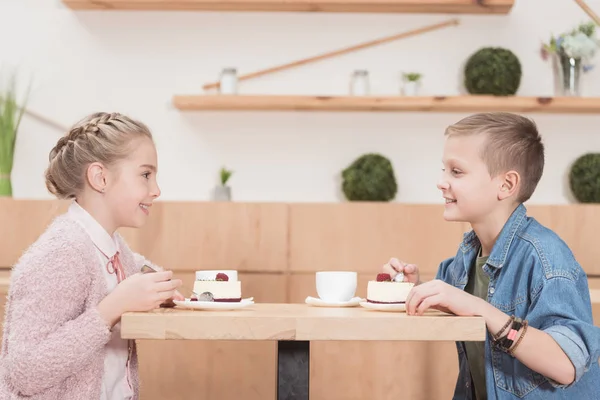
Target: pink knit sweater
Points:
(54, 338)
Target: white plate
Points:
(314, 301)
(384, 307)
(212, 305)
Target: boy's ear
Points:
(96, 177)
(509, 185)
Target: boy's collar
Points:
(507, 234)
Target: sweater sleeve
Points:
(51, 334)
(140, 261)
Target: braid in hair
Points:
(100, 137)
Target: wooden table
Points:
(294, 326)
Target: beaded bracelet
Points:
(509, 339)
(501, 331)
(512, 350)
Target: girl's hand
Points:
(139, 292)
(178, 296)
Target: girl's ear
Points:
(96, 177)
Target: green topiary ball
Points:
(584, 178)
(493, 70)
(369, 178)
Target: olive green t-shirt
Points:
(477, 286)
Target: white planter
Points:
(410, 88)
(222, 193)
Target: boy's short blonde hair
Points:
(513, 143)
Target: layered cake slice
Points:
(386, 291)
(221, 289)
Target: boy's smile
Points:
(469, 192)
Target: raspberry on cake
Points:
(384, 290)
(219, 289)
(384, 278)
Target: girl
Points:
(70, 288)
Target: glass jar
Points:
(359, 83)
(229, 81)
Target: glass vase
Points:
(567, 74)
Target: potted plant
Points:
(369, 178)
(222, 191)
(571, 54)
(584, 178)
(10, 118)
(493, 71)
(411, 83)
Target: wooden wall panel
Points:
(21, 222)
(178, 235)
(191, 236)
(368, 370)
(363, 236)
(190, 370)
(441, 359)
(336, 236)
(578, 226)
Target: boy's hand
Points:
(410, 271)
(441, 296)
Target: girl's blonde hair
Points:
(100, 137)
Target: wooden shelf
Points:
(364, 6)
(569, 105)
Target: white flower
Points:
(579, 46)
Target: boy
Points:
(515, 273)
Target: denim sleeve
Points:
(442, 272)
(564, 312)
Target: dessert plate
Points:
(384, 307)
(211, 305)
(314, 301)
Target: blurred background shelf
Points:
(567, 105)
(365, 6)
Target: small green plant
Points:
(494, 71)
(584, 178)
(412, 76)
(225, 175)
(10, 119)
(369, 178)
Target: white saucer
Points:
(314, 301)
(212, 305)
(384, 307)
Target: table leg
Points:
(293, 369)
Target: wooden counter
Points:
(300, 322)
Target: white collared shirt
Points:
(115, 385)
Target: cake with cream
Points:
(219, 289)
(386, 291)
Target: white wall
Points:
(134, 62)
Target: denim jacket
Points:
(533, 275)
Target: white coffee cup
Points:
(212, 274)
(336, 286)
